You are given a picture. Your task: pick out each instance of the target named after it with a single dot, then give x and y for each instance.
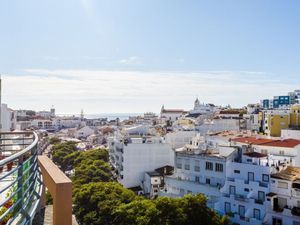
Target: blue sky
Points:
(135, 55)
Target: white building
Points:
(178, 139)
(252, 122)
(247, 183)
(170, 114)
(23, 125)
(283, 200)
(201, 109)
(151, 184)
(8, 118)
(67, 122)
(218, 125)
(289, 133)
(84, 132)
(133, 156)
(200, 167)
(42, 124)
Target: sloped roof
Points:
(286, 143)
(290, 173)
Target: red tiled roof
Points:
(286, 143)
(255, 155)
(172, 111)
(252, 140)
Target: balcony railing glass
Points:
(20, 178)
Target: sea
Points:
(109, 116)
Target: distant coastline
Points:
(109, 116)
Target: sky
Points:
(107, 56)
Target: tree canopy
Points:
(96, 202)
(99, 201)
(64, 155)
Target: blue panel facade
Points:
(283, 100)
(266, 103)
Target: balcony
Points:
(23, 178)
(296, 192)
(296, 211)
(20, 177)
(242, 198)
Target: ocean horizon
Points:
(109, 116)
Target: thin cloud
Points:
(133, 60)
(99, 91)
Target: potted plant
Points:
(9, 166)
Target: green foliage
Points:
(188, 210)
(64, 155)
(95, 154)
(91, 171)
(54, 140)
(98, 201)
(49, 199)
(139, 212)
(94, 203)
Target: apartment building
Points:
(132, 156)
(247, 183)
(283, 200)
(200, 167)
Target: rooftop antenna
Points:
(81, 114)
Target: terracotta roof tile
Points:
(286, 143)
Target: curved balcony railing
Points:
(20, 177)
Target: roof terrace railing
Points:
(20, 177)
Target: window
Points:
(209, 166)
(207, 181)
(250, 176)
(187, 164)
(236, 171)
(197, 179)
(256, 214)
(261, 196)
(219, 167)
(281, 152)
(242, 210)
(265, 178)
(232, 190)
(246, 189)
(189, 192)
(197, 166)
(187, 167)
(227, 207)
(179, 163)
(282, 185)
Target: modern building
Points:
(283, 101)
(200, 167)
(132, 156)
